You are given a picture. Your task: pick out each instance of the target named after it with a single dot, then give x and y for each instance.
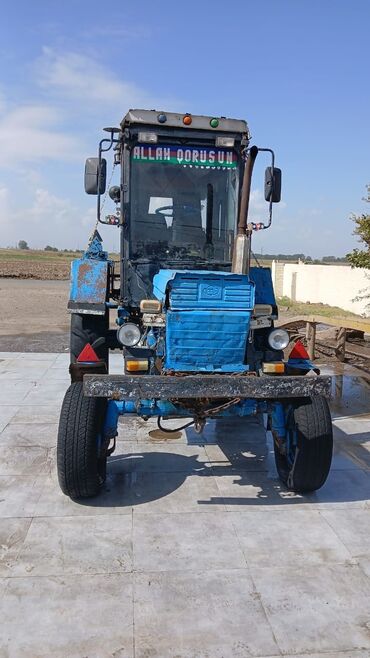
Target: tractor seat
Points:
(187, 229)
(151, 228)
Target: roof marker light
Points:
(187, 120)
(227, 142)
(162, 118)
(148, 138)
(214, 123)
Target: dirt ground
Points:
(34, 315)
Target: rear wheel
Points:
(303, 463)
(87, 329)
(81, 455)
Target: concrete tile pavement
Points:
(193, 549)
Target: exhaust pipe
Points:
(242, 243)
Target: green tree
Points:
(22, 244)
(361, 257)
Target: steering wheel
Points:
(186, 208)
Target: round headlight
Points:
(129, 334)
(278, 339)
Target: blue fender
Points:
(89, 280)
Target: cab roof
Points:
(175, 120)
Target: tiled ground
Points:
(193, 549)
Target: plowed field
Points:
(34, 269)
(35, 264)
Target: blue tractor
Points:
(194, 320)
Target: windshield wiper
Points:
(208, 247)
(197, 260)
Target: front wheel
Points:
(81, 454)
(303, 461)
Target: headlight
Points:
(278, 339)
(129, 334)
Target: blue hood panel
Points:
(190, 289)
(207, 320)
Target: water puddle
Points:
(350, 391)
(158, 435)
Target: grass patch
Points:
(41, 256)
(301, 308)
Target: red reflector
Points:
(88, 354)
(299, 351)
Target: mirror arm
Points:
(261, 226)
(101, 150)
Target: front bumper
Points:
(212, 387)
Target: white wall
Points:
(336, 285)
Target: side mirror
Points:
(95, 179)
(273, 184)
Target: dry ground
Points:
(33, 315)
(28, 306)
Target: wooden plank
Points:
(360, 324)
(351, 348)
(311, 338)
(340, 349)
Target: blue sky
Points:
(296, 70)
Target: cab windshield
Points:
(183, 204)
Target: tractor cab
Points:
(181, 186)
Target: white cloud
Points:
(49, 207)
(2, 102)
(4, 203)
(310, 212)
(88, 218)
(68, 97)
(29, 134)
(79, 90)
(116, 32)
(81, 78)
(49, 219)
(257, 203)
(259, 208)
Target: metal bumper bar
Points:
(167, 387)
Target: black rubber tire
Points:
(86, 329)
(81, 470)
(313, 454)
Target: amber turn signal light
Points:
(137, 365)
(273, 368)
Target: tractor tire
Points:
(80, 462)
(309, 463)
(86, 329)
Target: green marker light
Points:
(214, 123)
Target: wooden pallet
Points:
(343, 324)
